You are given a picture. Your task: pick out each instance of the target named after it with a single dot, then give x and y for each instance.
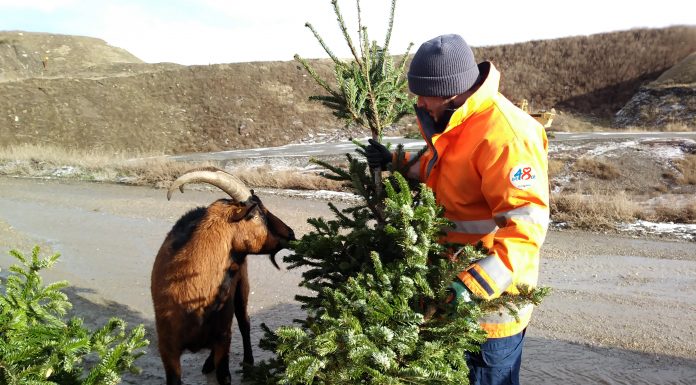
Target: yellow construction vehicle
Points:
(544, 117)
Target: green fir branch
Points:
(38, 346)
(369, 91)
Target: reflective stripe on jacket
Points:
(489, 170)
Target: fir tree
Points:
(38, 346)
(379, 312)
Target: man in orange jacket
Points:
(487, 165)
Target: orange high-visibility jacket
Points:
(489, 170)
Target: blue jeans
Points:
(498, 362)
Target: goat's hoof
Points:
(225, 380)
(247, 369)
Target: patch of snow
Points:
(627, 133)
(314, 194)
(414, 146)
(558, 225)
(671, 148)
(66, 171)
(604, 149)
(126, 179)
(684, 231)
(270, 164)
(560, 147)
(665, 152)
(332, 195)
(559, 182)
(656, 148)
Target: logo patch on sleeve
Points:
(523, 176)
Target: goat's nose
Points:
(291, 236)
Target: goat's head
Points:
(265, 232)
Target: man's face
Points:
(435, 105)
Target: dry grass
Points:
(687, 167)
(593, 212)
(683, 72)
(285, 179)
(556, 166)
(59, 155)
(582, 122)
(597, 168)
(674, 214)
(156, 171)
(669, 127)
(568, 122)
(677, 127)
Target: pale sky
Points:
(225, 31)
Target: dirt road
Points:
(622, 311)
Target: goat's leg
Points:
(172, 365)
(209, 364)
(241, 299)
(221, 358)
(169, 346)
(220, 354)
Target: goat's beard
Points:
(271, 256)
(283, 245)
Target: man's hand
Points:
(377, 155)
(459, 292)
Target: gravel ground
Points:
(622, 310)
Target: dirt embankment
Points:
(81, 93)
(27, 55)
(199, 108)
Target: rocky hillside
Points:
(592, 75)
(79, 92)
(668, 101)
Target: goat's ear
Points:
(242, 211)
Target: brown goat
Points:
(199, 279)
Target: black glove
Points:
(377, 155)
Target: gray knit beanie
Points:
(443, 66)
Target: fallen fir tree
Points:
(39, 346)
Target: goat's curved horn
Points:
(218, 178)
